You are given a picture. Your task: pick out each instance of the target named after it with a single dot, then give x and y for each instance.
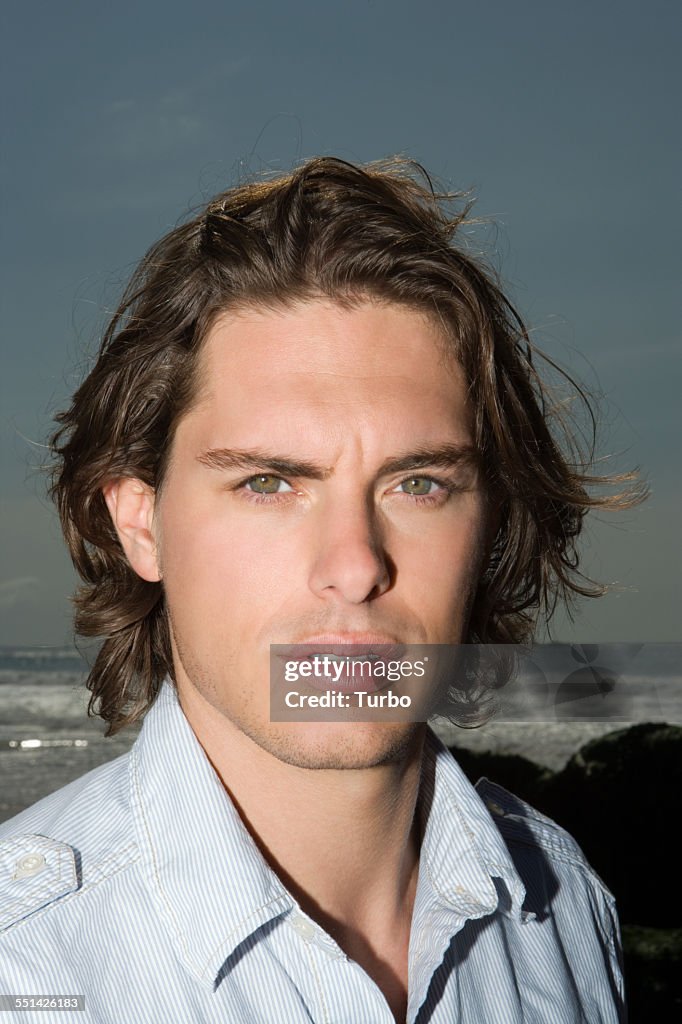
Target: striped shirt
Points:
(138, 887)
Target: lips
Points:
(345, 664)
(384, 649)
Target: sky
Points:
(118, 119)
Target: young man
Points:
(314, 420)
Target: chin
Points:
(340, 745)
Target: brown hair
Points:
(341, 231)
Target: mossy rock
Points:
(653, 959)
(520, 776)
(620, 796)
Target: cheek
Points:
(446, 567)
(197, 554)
(211, 563)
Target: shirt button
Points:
(31, 864)
(304, 928)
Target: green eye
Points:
(417, 485)
(265, 483)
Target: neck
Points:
(345, 842)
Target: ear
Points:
(131, 507)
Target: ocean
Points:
(565, 696)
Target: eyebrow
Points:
(257, 458)
(445, 456)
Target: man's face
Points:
(282, 520)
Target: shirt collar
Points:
(462, 850)
(465, 871)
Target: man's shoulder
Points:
(532, 836)
(65, 842)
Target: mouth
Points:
(348, 665)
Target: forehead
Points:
(319, 361)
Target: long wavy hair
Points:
(335, 230)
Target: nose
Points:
(350, 562)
